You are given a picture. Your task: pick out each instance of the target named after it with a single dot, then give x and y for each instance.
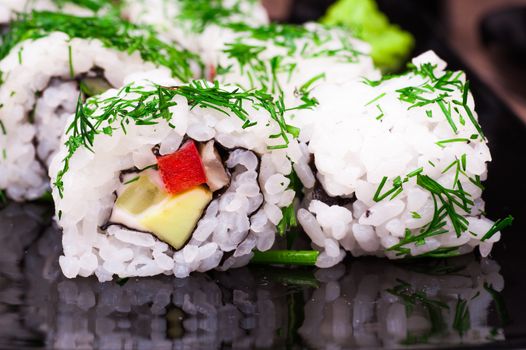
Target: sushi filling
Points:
(169, 199)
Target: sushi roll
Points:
(239, 46)
(399, 165)
(192, 23)
(158, 177)
(47, 59)
(10, 9)
(287, 59)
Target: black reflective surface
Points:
(365, 303)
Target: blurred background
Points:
(488, 36)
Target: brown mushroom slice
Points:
(216, 175)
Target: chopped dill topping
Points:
(444, 142)
(446, 203)
(93, 5)
(19, 55)
(443, 252)
(436, 90)
(375, 99)
(289, 219)
(201, 13)
(444, 86)
(70, 61)
(381, 115)
(150, 106)
(110, 30)
(498, 226)
(415, 215)
(266, 72)
(397, 185)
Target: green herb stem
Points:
(286, 257)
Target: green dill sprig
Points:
(93, 5)
(150, 106)
(436, 90)
(443, 87)
(285, 257)
(300, 41)
(397, 188)
(446, 204)
(498, 226)
(110, 30)
(443, 252)
(289, 220)
(201, 13)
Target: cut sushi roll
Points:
(167, 178)
(400, 164)
(287, 59)
(47, 60)
(239, 46)
(10, 9)
(192, 23)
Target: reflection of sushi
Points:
(181, 178)
(374, 305)
(199, 312)
(366, 304)
(43, 73)
(20, 227)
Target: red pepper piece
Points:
(212, 73)
(182, 170)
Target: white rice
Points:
(10, 8)
(321, 54)
(356, 143)
(165, 17)
(28, 70)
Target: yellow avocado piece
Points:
(175, 219)
(140, 195)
